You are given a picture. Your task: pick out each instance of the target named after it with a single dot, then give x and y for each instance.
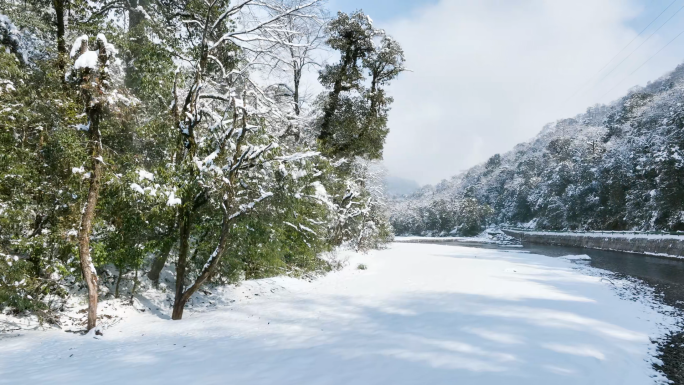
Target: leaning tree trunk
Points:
(187, 202)
(181, 265)
(183, 296)
(87, 267)
(160, 261)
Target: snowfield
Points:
(419, 314)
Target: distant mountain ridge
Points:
(396, 186)
(615, 167)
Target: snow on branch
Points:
(76, 47)
(298, 156)
(258, 26)
(249, 206)
(229, 12)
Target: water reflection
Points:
(665, 274)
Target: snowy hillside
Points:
(615, 167)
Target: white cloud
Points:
(488, 74)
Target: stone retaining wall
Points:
(667, 246)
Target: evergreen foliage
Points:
(354, 119)
(133, 137)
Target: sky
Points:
(488, 74)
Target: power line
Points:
(623, 48)
(642, 43)
(643, 64)
(637, 36)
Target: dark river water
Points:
(664, 274)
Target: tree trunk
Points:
(178, 307)
(160, 261)
(136, 281)
(118, 282)
(182, 297)
(87, 267)
(60, 12)
(188, 204)
(297, 78)
(183, 250)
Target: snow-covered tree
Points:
(354, 116)
(95, 73)
(173, 149)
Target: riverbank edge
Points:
(670, 246)
(442, 239)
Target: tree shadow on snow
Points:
(570, 331)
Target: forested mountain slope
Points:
(615, 167)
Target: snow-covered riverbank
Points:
(492, 236)
(419, 314)
(665, 245)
